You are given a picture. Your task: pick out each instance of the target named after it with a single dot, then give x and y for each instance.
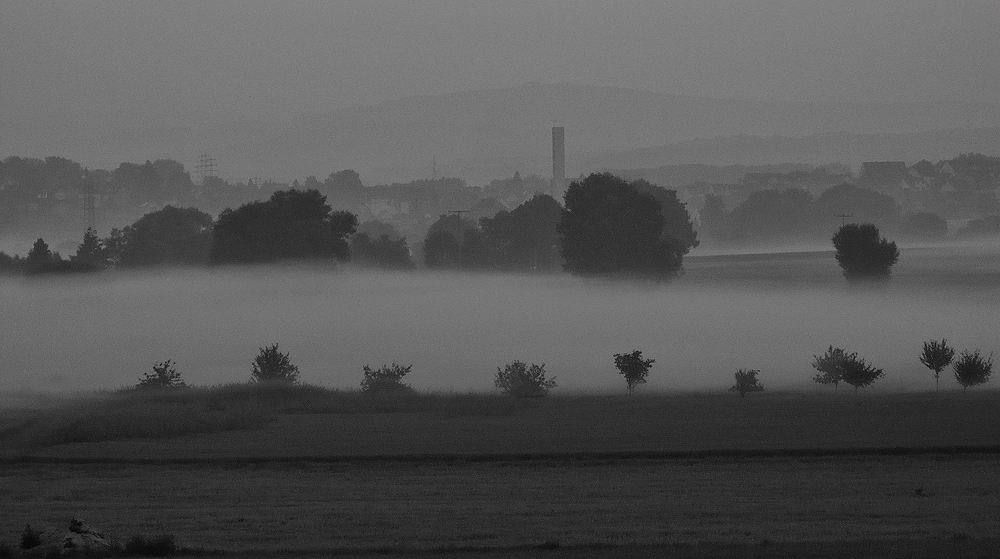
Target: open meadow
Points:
(682, 468)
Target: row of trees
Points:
(838, 364)
(608, 227)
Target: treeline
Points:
(609, 227)
(796, 215)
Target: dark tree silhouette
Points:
(860, 374)
(383, 252)
(292, 224)
(38, 256)
(164, 375)
(91, 251)
(521, 381)
(972, 369)
(831, 366)
(526, 238)
(936, 356)
(273, 366)
(633, 367)
(441, 250)
(610, 228)
(171, 236)
(746, 381)
(862, 253)
(388, 378)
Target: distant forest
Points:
(723, 205)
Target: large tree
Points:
(610, 228)
(526, 238)
(171, 236)
(292, 224)
(862, 253)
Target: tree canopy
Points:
(611, 228)
(863, 253)
(292, 224)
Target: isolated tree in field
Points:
(387, 378)
(746, 381)
(164, 375)
(521, 381)
(936, 356)
(272, 365)
(91, 251)
(633, 367)
(862, 253)
(831, 366)
(972, 369)
(860, 374)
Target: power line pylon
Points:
(205, 167)
(89, 207)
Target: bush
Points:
(272, 365)
(972, 369)
(859, 374)
(746, 381)
(831, 366)
(386, 379)
(154, 546)
(164, 375)
(521, 381)
(862, 253)
(936, 356)
(30, 537)
(633, 367)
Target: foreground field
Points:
(431, 506)
(315, 472)
(345, 426)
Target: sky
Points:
(188, 61)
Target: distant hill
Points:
(478, 135)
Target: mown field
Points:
(778, 474)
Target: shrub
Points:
(151, 546)
(30, 537)
(859, 374)
(521, 381)
(831, 366)
(862, 253)
(164, 375)
(385, 379)
(936, 356)
(272, 365)
(746, 381)
(633, 367)
(972, 369)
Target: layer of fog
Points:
(772, 312)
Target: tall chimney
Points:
(558, 161)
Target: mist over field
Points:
(771, 312)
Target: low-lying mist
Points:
(772, 312)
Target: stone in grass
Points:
(80, 541)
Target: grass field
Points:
(886, 475)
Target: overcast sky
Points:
(251, 58)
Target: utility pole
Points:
(434, 168)
(460, 236)
(89, 208)
(843, 218)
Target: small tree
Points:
(859, 374)
(972, 369)
(831, 366)
(521, 381)
(746, 381)
(272, 365)
(862, 253)
(936, 357)
(633, 367)
(385, 379)
(164, 375)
